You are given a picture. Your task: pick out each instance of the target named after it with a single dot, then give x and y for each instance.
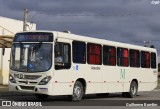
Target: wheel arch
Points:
(135, 81)
(82, 80)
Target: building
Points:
(8, 28)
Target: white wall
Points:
(13, 25)
(9, 26)
(5, 65)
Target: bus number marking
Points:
(95, 68)
(76, 67)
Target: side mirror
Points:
(3, 51)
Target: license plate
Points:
(43, 89)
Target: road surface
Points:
(114, 99)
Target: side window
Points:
(145, 59)
(122, 57)
(153, 60)
(109, 55)
(94, 54)
(134, 58)
(62, 56)
(79, 52)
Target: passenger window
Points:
(79, 52)
(94, 54)
(134, 58)
(153, 60)
(62, 56)
(145, 59)
(109, 55)
(122, 57)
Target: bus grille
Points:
(27, 87)
(29, 82)
(32, 77)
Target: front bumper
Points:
(40, 89)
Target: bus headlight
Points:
(45, 80)
(11, 79)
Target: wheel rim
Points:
(77, 91)
(133, 90)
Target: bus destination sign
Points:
(33, 37)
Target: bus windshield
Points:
(29, 57)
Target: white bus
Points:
(58, 63)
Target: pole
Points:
(25, 20)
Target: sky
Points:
(129, 21)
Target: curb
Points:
(4, 88)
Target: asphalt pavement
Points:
(114, 99)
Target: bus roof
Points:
(72, 36)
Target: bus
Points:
(49, 63)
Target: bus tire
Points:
(41, 97)
(133, 90)
(77, 91)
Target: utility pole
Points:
(25, 20)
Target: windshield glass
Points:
(31, 57)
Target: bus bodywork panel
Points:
(98, 78)
(103, 79)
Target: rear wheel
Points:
(77, 91)
(41, 97)
(133, 90)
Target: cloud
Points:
(118, 20)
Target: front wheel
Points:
(77, 92)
